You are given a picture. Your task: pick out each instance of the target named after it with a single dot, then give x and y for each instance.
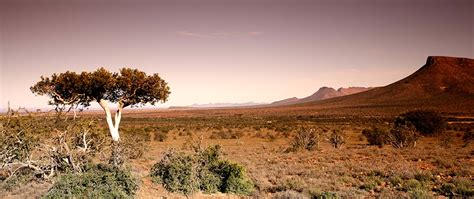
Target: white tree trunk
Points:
(108, 116)
(118, 117)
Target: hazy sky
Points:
(213, 51)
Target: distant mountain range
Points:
(322, 94)
(218, 105)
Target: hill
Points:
(322, 94)
(443, 83)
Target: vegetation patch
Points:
(202, 170)
(425, 121)
(97, 181)
(306, 138)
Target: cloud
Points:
(192, 34)
(219, 35)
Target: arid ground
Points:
(260, 143)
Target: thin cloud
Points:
(220, 35)
(192, 34)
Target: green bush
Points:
(233, 178)
(176, 172)
(97, 181)
(202, 170)
(426, 122)
(411, 185)
(375, 136)
(464, 187)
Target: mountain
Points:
(443, 83)
(352, 90)
(322, 94)
(286, 101)
(217, 105)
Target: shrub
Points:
(419, 193)
(65, 146)
(316, 194)
(424, 177)
(426, 122)
(229, 134)
(395, 181)
(305, 139)
(176, 172)
(411, 185)
(233, 176)
(289, 184)
(468, 137)
(202, 170)
(288, 194)
(464, 187)
(97, 181)
(375, 136)
(402, 136)
(160, 136)
(337, 138)
(447, 189)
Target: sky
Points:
(216, 51)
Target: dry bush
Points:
(46, 146)
(160, 136)
(468, 137)
(402, 136)
(337, 138)
(229, 134)
(305, 138)
(375, 136)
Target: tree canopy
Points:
(129, 87)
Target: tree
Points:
(129, 87)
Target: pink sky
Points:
(213, 51)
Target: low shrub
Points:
(468, 137)
(395, 181)
(447, 189)
(316, 194)
(233, 178)
(306, 138)
(202, 170)
(97, 181)
(424, 177)
(411, 185)
(402, 136)
(160, 136)
(229, 134)
(464, 187)
(288, 194)
(337, 138)
(375, 136)
(176, 172)
(289, 184)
